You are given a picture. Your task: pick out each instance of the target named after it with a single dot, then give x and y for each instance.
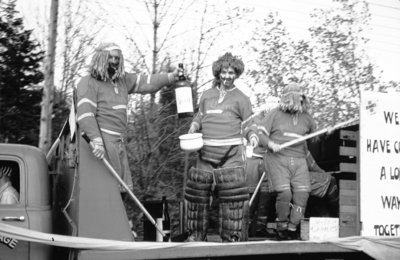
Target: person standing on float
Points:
(287, 170)
(102, 99)
(220, 163)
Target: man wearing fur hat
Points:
(220, 164)
(8, 195)
(287, 169)
(102, 99)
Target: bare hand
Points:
(178, 71)
(192, 129)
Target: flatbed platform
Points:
(356, 247)
(240, 250)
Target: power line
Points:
(387, 27)
(263, 6)
(385, 16)
(385, 6)
(374, 49)
(307, 13)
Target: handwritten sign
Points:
(323, 228)
(380, 164)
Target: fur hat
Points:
(5, 171)
(225, 61)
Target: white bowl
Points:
(191, 142)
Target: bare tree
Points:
(76, 46)
(343, 66)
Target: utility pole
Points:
(156, 24)
(48, 90)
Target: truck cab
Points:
(61, 193)
(33, 211)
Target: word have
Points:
(382, 146)
(9, 241)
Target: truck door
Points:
(15, 213)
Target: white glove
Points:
(329, 130)
(98, 148)
(274, 147)
(253, 141)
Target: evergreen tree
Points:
(20, 62)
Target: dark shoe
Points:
(281, 235)
(260, 233)
(181, 238)
(271, 232)
(234, 238)
(293, 235)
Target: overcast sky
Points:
(384, 47)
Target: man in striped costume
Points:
(220, 164)
(102, 99)
(287, 170)
(323, 184)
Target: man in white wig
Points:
(102, 99)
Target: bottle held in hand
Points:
(183, 95)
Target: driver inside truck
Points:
(8, 194)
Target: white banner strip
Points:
(377, 247)
(87, 243)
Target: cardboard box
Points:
(316, 228)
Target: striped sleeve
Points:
(86, 109)
(264, 127)
(250, 126)
(245, 109)
(140, 83)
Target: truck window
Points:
(9, 182)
